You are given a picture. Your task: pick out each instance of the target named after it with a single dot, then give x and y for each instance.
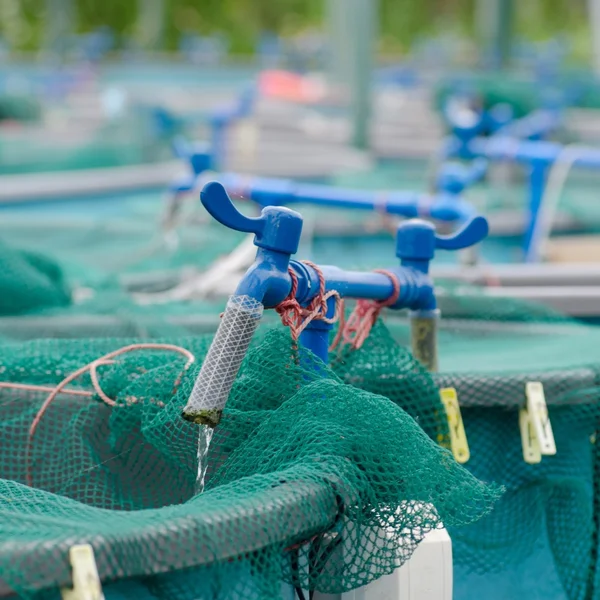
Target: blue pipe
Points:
(416, 288)
(533, 126)
(279, 192)
(315, 336)
(268, 281)
(525, 151)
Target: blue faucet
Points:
(269, 281)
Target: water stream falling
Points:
(204, 437)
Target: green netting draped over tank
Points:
(19, 108)
(311, 483)
(541, 539)
(30, 281)
(129, 140)
(126, 240)
(305, 460)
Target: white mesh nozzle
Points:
(222, 363)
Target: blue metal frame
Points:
(522, 142)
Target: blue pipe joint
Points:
(267, 280)
(416, 289)
(415, 244)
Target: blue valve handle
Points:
(417, 241)
(277, 229)
(469, 234)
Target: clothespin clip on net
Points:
(458, 436)
(537, 437)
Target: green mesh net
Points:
(299, 437)
(19, 108)
(542, 536)
(305, 455)
(129, 140)
(311, 483)
(30, 282)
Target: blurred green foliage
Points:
(402, 21)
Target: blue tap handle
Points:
(417, 241)
(277, 229)
(471, 233)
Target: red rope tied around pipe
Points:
(365, 315)
(298, 318)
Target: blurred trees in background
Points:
(242, 21)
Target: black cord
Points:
(295, 561)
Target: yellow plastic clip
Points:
(458, 436)
(538, 414)
(531, 448)
(86, 581)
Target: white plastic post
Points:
(426, 576)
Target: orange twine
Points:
(298, 318)
(92, 368)
(365, 315)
